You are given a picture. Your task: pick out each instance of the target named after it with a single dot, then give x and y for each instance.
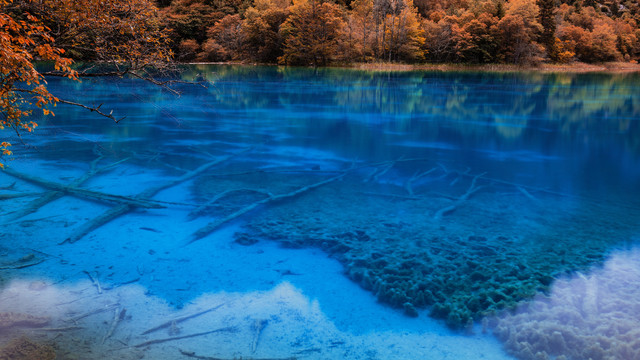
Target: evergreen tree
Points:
(548, 22)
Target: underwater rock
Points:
(292, 244)
(594, 352)
(366, 281)
(27, 258)
(410, 310)
(458, 319)
(25, 349)
(440, 311)
(338, 249)
(244, 239)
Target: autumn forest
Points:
(144, 38)
(319, 32)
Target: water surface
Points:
(356, 200)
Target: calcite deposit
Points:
(595, 316)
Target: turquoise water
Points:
(333, 214)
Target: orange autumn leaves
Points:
(310, 32)
(119, 32)
(23, 40)
(298, 32)
(122, 35)
(5, 151)
(317, 32)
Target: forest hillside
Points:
(319, 32)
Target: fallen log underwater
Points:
(125, 204)
(212, 226)
(84, 193)
(124, 208)
(53, 195)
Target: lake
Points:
(272, 212)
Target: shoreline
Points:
(612, 67)
(576, 67)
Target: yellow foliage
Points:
(311, 32)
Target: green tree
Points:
(548, 22)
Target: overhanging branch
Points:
(165, 84)
(95, 109)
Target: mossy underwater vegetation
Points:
(472, 261)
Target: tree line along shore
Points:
(324, 32)
(146, 38)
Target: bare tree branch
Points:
(93, 109)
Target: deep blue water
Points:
(557, 157)
(568, 132)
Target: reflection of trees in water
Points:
(595, 108)
(74, 132)
(474, 107)
(360, 112)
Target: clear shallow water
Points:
(447, 195)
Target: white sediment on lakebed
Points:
(550, 203)
(295, 326)
(312, 310)
(315, 314)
